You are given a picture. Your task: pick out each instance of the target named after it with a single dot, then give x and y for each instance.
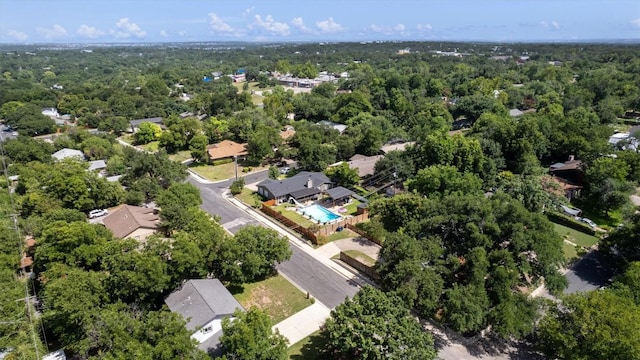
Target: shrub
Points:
(237, 186)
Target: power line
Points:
(14, 218)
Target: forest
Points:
(469, 234)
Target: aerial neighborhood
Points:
(360, 200)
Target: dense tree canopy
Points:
(249, 337)
(374, 325)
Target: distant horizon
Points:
(267, 21)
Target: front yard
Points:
(275, 295)
(215, 173)
(308, 348)
(576, 236)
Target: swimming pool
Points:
(319, 213)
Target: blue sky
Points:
(98, 21)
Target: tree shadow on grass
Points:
(313, 349)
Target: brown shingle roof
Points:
(128, 219)
(287, 133)
(364, 164)
(225, 149)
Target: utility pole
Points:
(395, 177)
(235, 160)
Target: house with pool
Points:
(302, 187)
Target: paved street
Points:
(307, 272)
(589, 273)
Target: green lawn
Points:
(576, 236)
(344, 234)
(275, 295)
(364, 258)
(215, 173)
(288, 210)
(308, 348)
(152, 146)
(248, 197)
(570, 252)
(181, 156)
(353, 207)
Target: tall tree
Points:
(376, 325)
(249, 337)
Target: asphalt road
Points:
(322, 282)
(589, 273)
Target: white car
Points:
(588, 222)
(97, 213)
(285, 170)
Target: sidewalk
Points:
(303, 323)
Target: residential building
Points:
(401, 146)
(569, 175)
(226, 149)
(340, 127)
(136, 123)
(364, 164)
(67, 153)
(97, 165)
(135, 222)
(203, 303)
(303, 186)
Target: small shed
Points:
(339, 195)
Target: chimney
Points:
(572, 157)
(309, 182)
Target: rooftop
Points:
(128, 219)
(295, 183)
(225, 149)
(68, 153)
(364, 164)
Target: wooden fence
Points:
(323, 231)
(366, 269)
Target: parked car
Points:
(285, 170)
(588, 222)
(97, 213)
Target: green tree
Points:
(147, 132)
(343, 175)
(375, 325)
(175, 203)
(253, 253)
(198, 147)
(606, 178)
(441, 180)
(592, 325)
(274, 172)
(249, 337)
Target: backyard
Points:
(288, 211)
(275, 295)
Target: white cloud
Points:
(388, 30)
(54, 32)
(18, 35)
(89, 31)
(182, 33)
(299, 24)
(164, 33)
(424, 27)
(218, 25)
(272, 26)
(127, 29)
(329, 26)
(635, 23)
(553, 24)
(248, 11)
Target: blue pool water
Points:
(319, 213)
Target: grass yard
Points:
(293, 215)
(128, 138)
(353, 207)
(248, 196)
(275, 295)
(576, 236)
(181, 156)
(215, 173)
(152, 146)
(344, 234)
(308, 348)
(362, 257)
(570, 252)
(607, 222)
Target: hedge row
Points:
(570, 222)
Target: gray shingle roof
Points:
(339, 192)
(97, 164)
(202, 300)
(67, 153)
(137, 122)
(295, 183)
